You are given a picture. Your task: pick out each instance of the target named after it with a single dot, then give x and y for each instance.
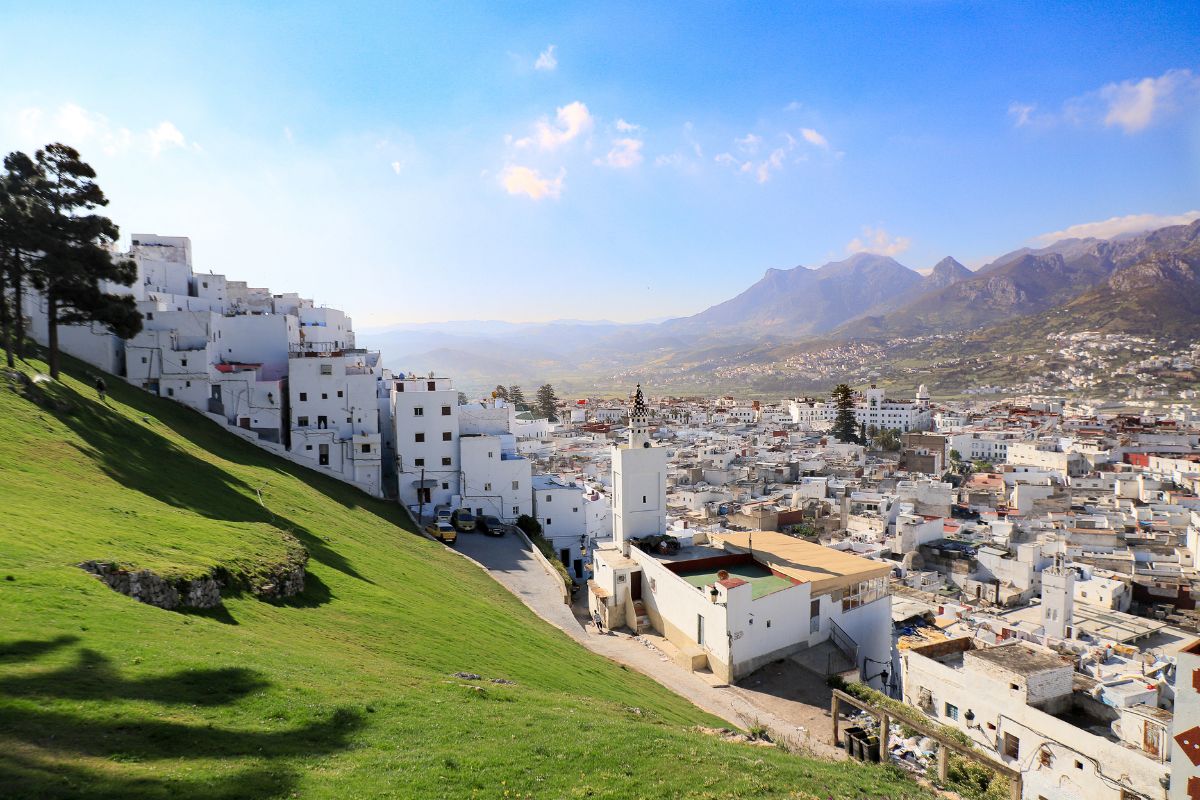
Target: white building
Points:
(496, 478)
(560, 510)
(425, 415)
(872, 410)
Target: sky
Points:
(529, 162)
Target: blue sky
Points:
(532, 162)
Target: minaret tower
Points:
(639, 421)
(1058, 598)
(639, 480)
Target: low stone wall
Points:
(277, 581)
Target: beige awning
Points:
(823, 567)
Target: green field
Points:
(344, 691)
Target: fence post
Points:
(943, 756)
(834, 710)
(1014, 787)
(884, 749)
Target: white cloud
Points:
(397, 166)
(546, 60)
(773, 163)
(814, 138)
(792, 106)
(1131, 105)
(748, 144)
(627, 127)
(529, 182)
(571, 121)
(164, 136)
(878, 241)
(1115, 226)
(624, 154)
(1020, 112)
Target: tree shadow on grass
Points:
(140, 458)
(53, 722)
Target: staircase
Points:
(643, 619)
(837, 655)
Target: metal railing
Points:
(843, 642)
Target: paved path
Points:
(509, 561)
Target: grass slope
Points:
(345, 691)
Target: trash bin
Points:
(850, 738)
(870, 748)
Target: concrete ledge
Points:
(546, 565)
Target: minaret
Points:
(1058, 598)
(639, 421)
(639, 480)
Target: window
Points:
(150, 315)
(302, 422)
(516, 485)
(1045, 757)
(446, 436)
(170, 392)
(418, 411)
(418, 437)
(445, 485)
(1014, 687)
(324, 395)
(366, 448)
(418, 462)
(643, 499)
(303, 396)
(700, 629)
(445, 411)
(491, 454)
(399, 386)
(308, 447)
(1078, 764)
(446, 461)
(187, 383)
(547, 498)
(487, 487)
(143, 359)
(516, 510)
(339, 392)
(327, 369)
(431, 386)
(1012, 746)
(549, 521)
(575, 510)
(183, 362)
(951, 711)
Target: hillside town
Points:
(1022, 570)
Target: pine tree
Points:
(844, 424)
(516, 396)
(500, 392)
(16, 235)
(73, 257)
(547, 402)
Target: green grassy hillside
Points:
(344, 691)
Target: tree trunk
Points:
(5, 321)
(52, 320)
(19, 311)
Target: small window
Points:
(308, 447)
(187, 384)
(446, 461)
(516, 510)
(1045, 757)
(445, 411)
(327, 369)
(339, 392)
(549, 521)
(418, 437)
(431, 386)
(487, 487)
(1078, 764)
(491, 454)
(143, 359)
(183, 362)
(445, 485)
(418, 411)
(446, 436)
(366, 448)
(302, 422)
(516, 485)
(547, 498)
(951, 711)
(1012, 746)
(399, 386)
(303, 397)
(418, 462)
(768, 623)
(149, 315)
(1014, 687)
(170, 392)
(643, 499)
(324, 395)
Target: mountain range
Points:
(1144, 282)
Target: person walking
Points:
(101, 390)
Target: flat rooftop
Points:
(823, 567)
(1020, 658)
(762, 581)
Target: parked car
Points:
(442, 514)
(492, 526)
(442, 531)
(463, 519)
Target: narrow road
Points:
(511, 563)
